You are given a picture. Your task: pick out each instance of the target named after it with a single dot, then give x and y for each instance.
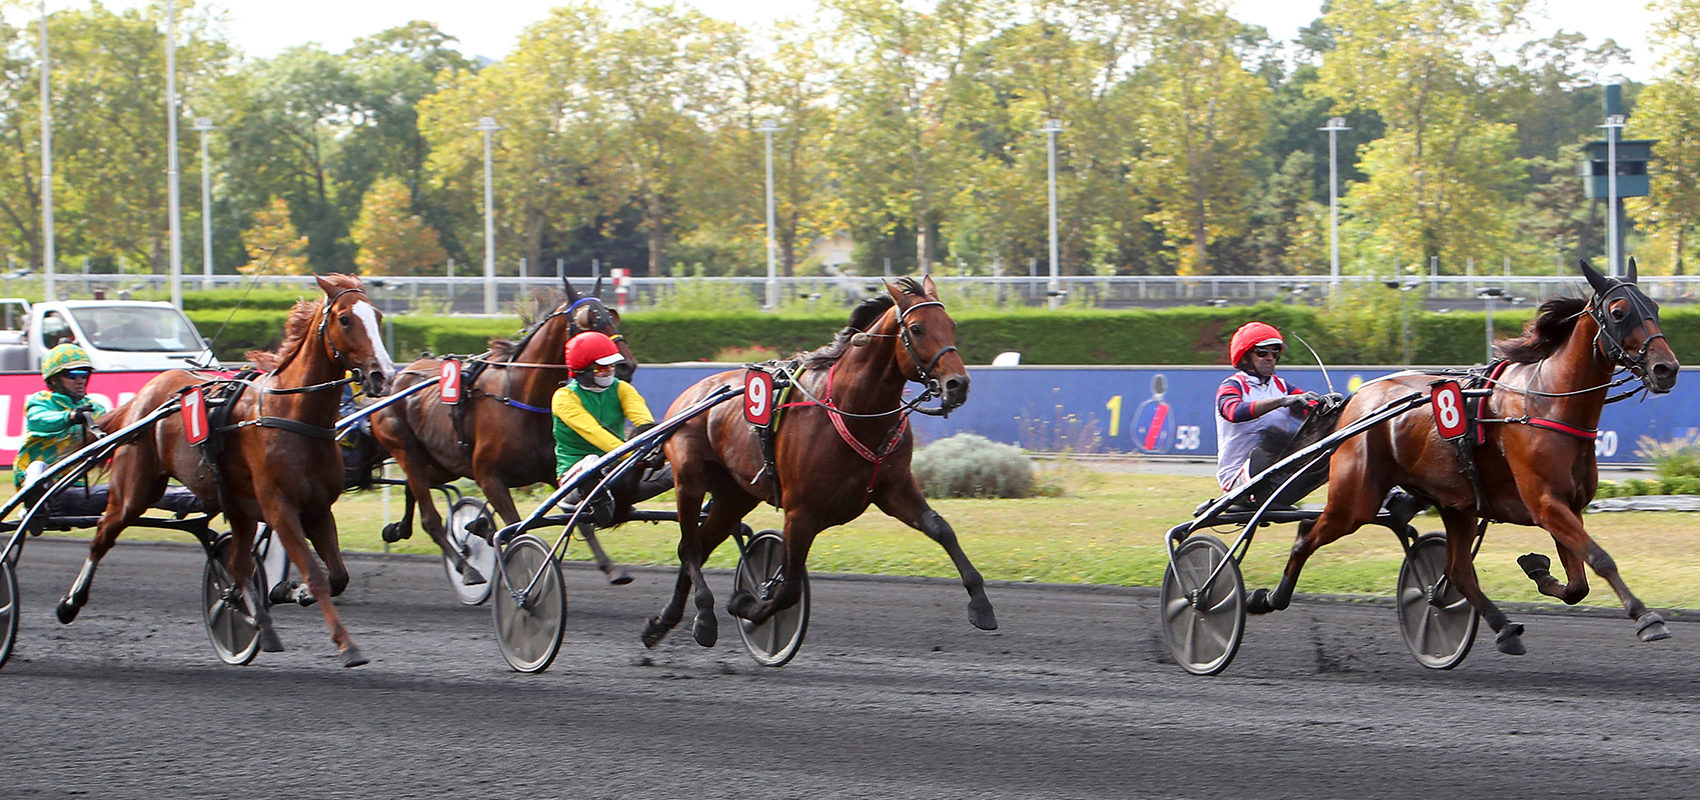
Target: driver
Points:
(592, 409)
(56, 424)
(1256, 411)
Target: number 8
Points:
(1447, 403)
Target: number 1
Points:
(1115, 407)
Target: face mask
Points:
(591, 382)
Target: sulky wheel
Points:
(776, 640)
(227, 611)
(1203, 624)
(477, 552)
(529, 629)
(1438, 623)
(8, 609)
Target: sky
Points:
(264, 27)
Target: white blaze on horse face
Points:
(369, 315)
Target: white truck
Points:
(119, 335)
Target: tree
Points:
(274, 245)
(392, 239)
(1443, 181)
(1669, 110)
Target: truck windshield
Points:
(137, 329)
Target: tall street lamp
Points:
(172, 191)
(48, 258)
(768, 129)
(1335, 125)
(1614, 124)
(488, 126)
(1053, 289)
(204, 124)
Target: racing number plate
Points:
(758, 397)
(1448, 402)
(195, 416)
(449, 387)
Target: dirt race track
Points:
(893, 696)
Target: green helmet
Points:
(64, 357)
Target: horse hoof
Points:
(1258, 602)
(282, 593)
(393, 532)
(67, 611)
(706, 629)
(1535, 565)
(352, 657)
(981, 616)
(269, 641)
(742, 605)
(619, 577)
(1652, 627)
(1510, 640)
(472, 577)
(654, 631)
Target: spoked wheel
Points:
(227, 611)
(775, 641)
(530, 632)
(1438, 623)
(1203, 623)
(8, 609)
(478, 553)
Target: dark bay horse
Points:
(279, 463)
(824, 479)
(505, 439)
(1536, 465)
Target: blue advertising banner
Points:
(1162, 410)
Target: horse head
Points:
(348, 328)
(1629, 329)
(587, 313)
(928, 334)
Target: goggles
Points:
(79, 372)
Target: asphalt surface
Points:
(893, 696)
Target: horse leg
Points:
(1539, 569)
(800, 531)
(723, 516)
(125, 503)
(287, 526)
(419, 488)
(905, 503)
(402, 528)
(617, 574)
(1349, 508)
(242, 532)
(1461, 570)
(689, 504)
(1566, 528)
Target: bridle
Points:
(337, 357)
(1609, 340)
(923, 368)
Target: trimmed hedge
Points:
(1139, 336)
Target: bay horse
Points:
(505, 438)
(1535, 457)
(834, 455)
(277, 461)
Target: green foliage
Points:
(258, 299)
(1677, 458)
(245, 329)
(966, 465)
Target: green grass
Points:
(1108, 528)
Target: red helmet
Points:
(592, 349)
(1252, 334)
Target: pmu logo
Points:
(1153, 421)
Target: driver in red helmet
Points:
(591, 410)
(1257, 412)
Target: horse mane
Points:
(295, 328)
(532, 315)
(1545, 333)
(865, 314)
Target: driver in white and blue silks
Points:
(1252, 402)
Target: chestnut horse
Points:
(854, 385)
(278, 460)
(1536, 460)
(509, 441)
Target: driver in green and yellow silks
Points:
(54, 418)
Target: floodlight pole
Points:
(1614, 123)
(173, 200)
(48, 257)
(1335, 125)
(488, 126)
(1054, 287)
(204, 124)
(768, 128)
